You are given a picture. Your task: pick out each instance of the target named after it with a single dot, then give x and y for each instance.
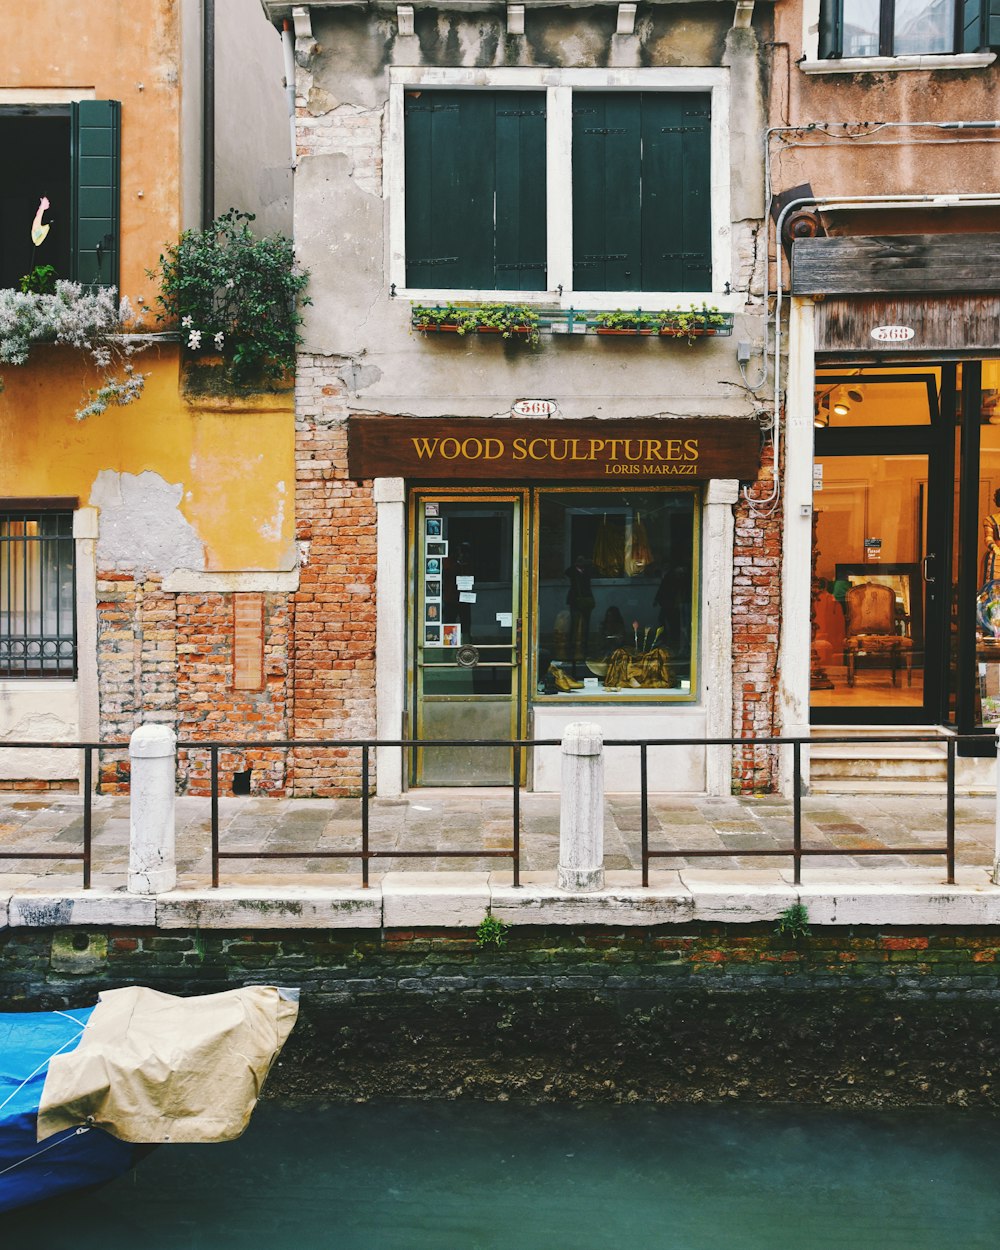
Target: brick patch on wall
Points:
(334, 609)
(756, 630)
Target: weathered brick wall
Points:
(168, 658)
(333, 658)
(756, 629)
(208, 704)
(854, 1017)
(136, 664)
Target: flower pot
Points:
(615, 330)
(444, 328)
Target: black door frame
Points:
(936, 441)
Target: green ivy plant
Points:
(92, 321)
(40, 281)
(235, 294)
(491, 932)
(508, 320)
(794, 921)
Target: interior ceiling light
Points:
(855, 396)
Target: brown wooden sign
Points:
(942, 323)
(474, 449)
(920, 263)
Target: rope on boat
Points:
(83, 1128)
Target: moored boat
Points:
(83, 1091)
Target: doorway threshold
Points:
(895, 768)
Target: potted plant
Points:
(695, 323)
(626, 321)
(507, 320)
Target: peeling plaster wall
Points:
(141, 527)
(342, 212)
(44, 711)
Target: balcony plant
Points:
(92, 321)
(692, 323)
(507, 320)
(236, 294)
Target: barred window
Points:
(37, 595)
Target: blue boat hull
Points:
(74, 1159)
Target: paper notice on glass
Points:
(464, 583)
(467, 596)
(505, 620)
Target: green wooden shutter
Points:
(607, 169)
(475, 190)
(980, 21)
(676, 192)
(830, 25)
(642, 192)
(520, 192)
(95, 146)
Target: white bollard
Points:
(995, 878)
(581, 809)
(152, 865)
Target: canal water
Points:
(495, 1176)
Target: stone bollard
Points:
(152, 866)
(995, 877)
(581, 809)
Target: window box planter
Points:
(506, 320)
(692, 324)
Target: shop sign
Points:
(474, 449)
(893, 334)
(534, 408)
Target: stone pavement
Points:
(441, 820)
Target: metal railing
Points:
(795, 850)
(366, 745)
(85, 854)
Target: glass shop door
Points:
(467, 630)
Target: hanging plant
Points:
(234, 294)
(93, 321)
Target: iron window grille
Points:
(37, 595)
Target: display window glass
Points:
(615, 603)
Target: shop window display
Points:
(615, 593)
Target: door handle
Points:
(927, 576)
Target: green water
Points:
(474, 1176)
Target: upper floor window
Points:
(518, 180)
(475, 189)
(37, 594)
(67, 154)
(893, 28)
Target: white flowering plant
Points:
(228, 290)
(92, 320)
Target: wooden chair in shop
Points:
(871, 631)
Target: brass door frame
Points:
(520, 582)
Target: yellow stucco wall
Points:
(233, 457)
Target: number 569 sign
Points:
(534, 408)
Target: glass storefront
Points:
(906, 545)
(614, 593)
(555, 595)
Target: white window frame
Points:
(559, 85)
(811, 64)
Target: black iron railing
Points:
(795, 850)
(84, 855)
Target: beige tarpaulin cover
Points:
(151, 1067)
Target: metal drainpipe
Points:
(288, 49)
(207, 113)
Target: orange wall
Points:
(113, 46)
(890, 168)
(234, 458)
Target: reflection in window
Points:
(616, 582)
